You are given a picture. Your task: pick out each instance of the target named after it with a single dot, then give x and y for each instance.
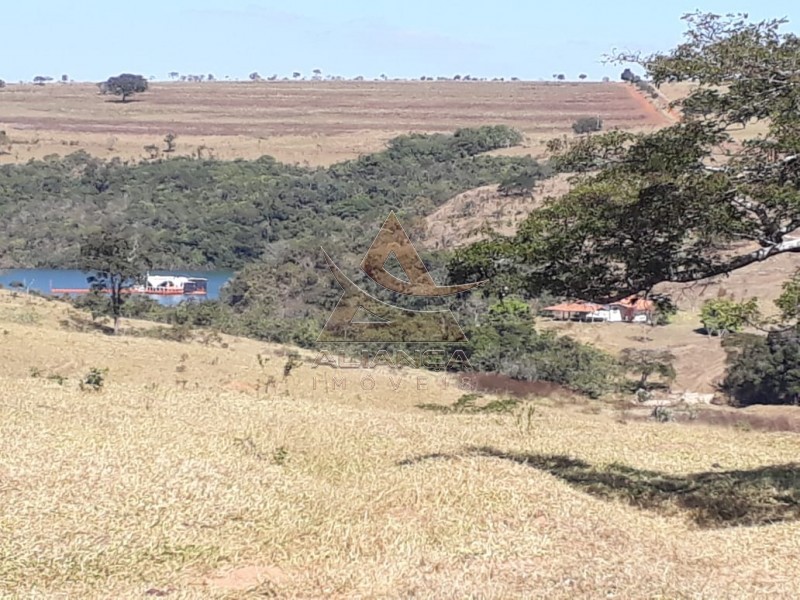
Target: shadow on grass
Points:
(711, 499)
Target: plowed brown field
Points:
(314, 122)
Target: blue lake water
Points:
(42, 280)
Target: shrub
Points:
(722, 316)
(662, 414)
(94, 379)
(508, 343)
(523, 182)
(97, 303)
(467, 403)
(587, 125)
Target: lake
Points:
(42, 280)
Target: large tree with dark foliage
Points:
(676, 205)
(126, 85)
(766, 369)
(763, 370)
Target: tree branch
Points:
(738, 262)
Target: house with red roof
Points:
(630, 310)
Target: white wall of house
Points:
(612, 315)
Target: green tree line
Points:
(188, 213)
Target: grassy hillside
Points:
(185, 475)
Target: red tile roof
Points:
(577, 307)
(636, 303)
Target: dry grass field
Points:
(671, 92)
(314, 122)
(184, 477)
(462, 220)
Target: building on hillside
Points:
(628, 310)
(572, 311)
(612, 313)
(637, 310)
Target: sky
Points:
(91, 40)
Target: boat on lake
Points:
(155, 285)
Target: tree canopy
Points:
(126, 85)
(679, 204)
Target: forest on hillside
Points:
(189, 213)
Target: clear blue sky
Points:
(93, 39)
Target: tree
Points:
(582, 76)
(126, 85)
(173, 74)
(254, 76)
(296, 75)
(41, 79)
(656, 207)
(169, 140)
(561, 77)
(2, 84)
(64, 78)
(646, 362)
(628, 75)
(114, 263)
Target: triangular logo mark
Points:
(362, 315)
(394, 267)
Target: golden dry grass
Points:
(462, 220)
(224, 490)
(314, 122)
